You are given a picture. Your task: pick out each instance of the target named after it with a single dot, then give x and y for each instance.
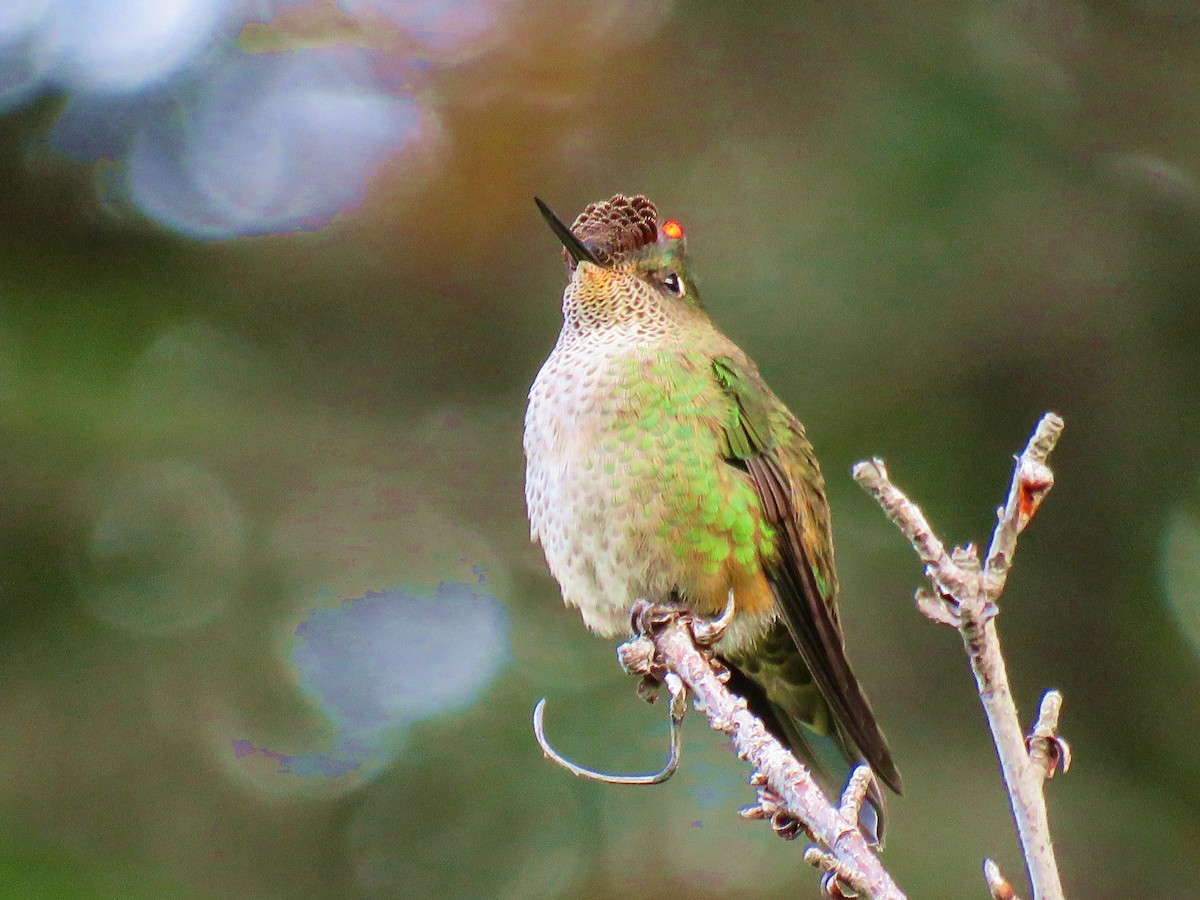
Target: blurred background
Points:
(273, 288)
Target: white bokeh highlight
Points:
(216, 142)
(269, 144)
(123, 46)
(377, 664)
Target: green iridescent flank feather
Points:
(714, 516)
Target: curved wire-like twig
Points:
(678, 707)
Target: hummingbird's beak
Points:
(574, 246)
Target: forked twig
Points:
(963, 595)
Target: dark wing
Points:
(768, 442)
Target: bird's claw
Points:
(787, 826)
(646, 618)
(833, 886)
(835, 878)
(706, 632)
(770, 806)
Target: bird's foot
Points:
(646, 619)
(706, 633)
(837, 880)
(638, 655)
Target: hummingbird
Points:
(660, 466)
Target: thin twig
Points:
(663, 774)
(777, 772)
(963, 596)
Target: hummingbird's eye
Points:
(673, 283)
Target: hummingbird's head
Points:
(624, 264)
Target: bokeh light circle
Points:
(165, 548)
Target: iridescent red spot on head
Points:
(672, 229)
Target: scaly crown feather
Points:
(616, 229)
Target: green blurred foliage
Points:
(928, 224)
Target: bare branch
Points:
(966, 592)
(905, 514)
(788, 795)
